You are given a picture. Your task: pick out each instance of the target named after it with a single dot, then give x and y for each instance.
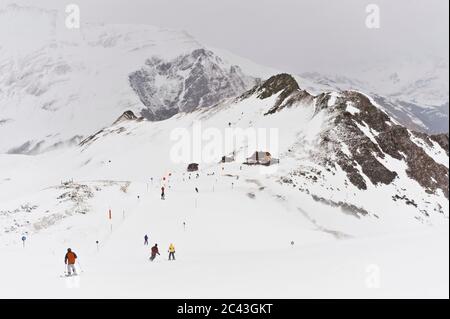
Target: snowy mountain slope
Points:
(339, 149)
(346, 209)
(415, 92)
(322, 218)
(52, 77)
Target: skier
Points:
(69, 260)
(155, 251)
(163, 195)
(171, 252)
(196, 189)
(145, 240)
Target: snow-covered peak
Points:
(166, 43)
(66, 83)
(190, 81)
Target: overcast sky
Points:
(295, 35)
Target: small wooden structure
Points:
(261, 158)
(227, 159)
(193, 167)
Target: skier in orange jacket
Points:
(69, 260)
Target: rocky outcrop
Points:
(286, 86)
(372, 138)
(281, 82)
(191, 81)
(442, 140)
(127, 116)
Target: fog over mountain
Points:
(295, 36)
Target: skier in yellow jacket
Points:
(171, 252)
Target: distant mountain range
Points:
(414, 92)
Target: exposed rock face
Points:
(284, 85)
(371, 137)
(282, 82)
(442, 140)
(191, 81)
(364, 152)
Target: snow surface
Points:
(246, 234)
(239, 229)
(333, 98)
(352, 109)
(367, 132)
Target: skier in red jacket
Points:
(155, 251)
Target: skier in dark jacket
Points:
(155, 251)
(145, 240)
(163, 195)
